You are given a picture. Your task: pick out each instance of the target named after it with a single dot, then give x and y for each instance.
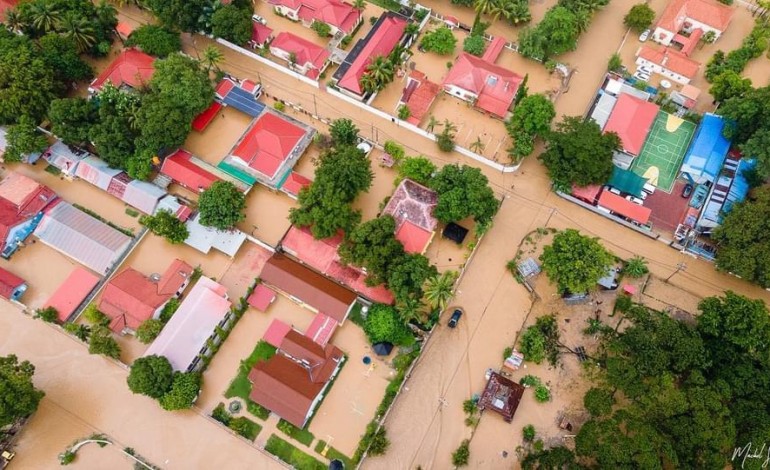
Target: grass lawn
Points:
(257, 410)
(333, 454)
(245, 427)
(240, 386)
(302, 436)
(291, 455)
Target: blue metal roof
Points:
(243, 101)
(708, 150)
(740, 188)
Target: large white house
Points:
(684, 17)
(668, 62)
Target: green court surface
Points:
(664, 150)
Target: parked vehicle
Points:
(455, 318)
(649, 188)
(687, 190)
(645, 35)
(258, 19)
(635, 200)
(643, 76)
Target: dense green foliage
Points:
(639, 17)
(232, 24)
(321, 29)
(18, 396)
(47, 314)
(23, 139)
(61, 53)
(475, 44)
(151, 376)
(463, 191)
(729, 84)
(155, 40)
(343, 132)
(72, 118)
(184, 390)
(462, 454)
(752, 47)
(148, 330)
(102, 342)
(326, 205)
(636, 267)
(418, 169)
(541, 341)
(579, 153)
(383, 324)
(221, 205)
(373, 245)
(531, 119)
(574, 262)
(559, 30)
(186, 15)
(598, 401)
(441, 41)
(165, 224)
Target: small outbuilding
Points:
(12, 287)
(455, 232)
(382, 349)
(501, 395)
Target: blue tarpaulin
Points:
(706, 155)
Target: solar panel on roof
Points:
(244, 101)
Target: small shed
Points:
(261, 298)
(528, 268)
(382, 349)
(455, 232)
(12, 287)
(610, 280)
(502, 396)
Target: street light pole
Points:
(679, 267)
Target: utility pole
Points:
(679, 267)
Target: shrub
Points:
(623, 303)
(380, 443)
(532, 345)
(301, 435)
(418, 169)
(542, 394)
(530, 381)
(461, 456)
(322, 29)
(67, 457)
(245, 427)
(636, 267)
(615, 63)
(94, 316)
(279, 106)
(102, 342)
(149, 330)
(403, 112)
(507, 352)
(48, 314)
(169, 309)
(395, 150)
(475, 44)
(220, 414)
(529, 433)
(446, 142)
(81, 332)
(440, 40)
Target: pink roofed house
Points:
(22, 201)
(690, 15)
(132, 68)
(411, 205)
(130, 297)
(340, 16)
(488, 86)
(380, 41)
(184, 339)
(294, 184)
(260, 35)
(668, 62)
(418, 95)
(268, 144)
(632, 119)
(72, 292)
(310, 59)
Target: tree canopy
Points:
(463, 191)
(373, 245)
(184, 82)
(232, 24)
(221, 205)
(383, 324)
(744, 239)
(155, 40)
(23, 139)
(151, 376)
(343, 132)
(185, 15)
(166, 225)
(72, 119)
(27, 82)
(418, 169)
(185, 387)
(441, 41)
(531, 119)
(575, 262)
(579, 153)
(729, 84)
(639, 17)
(18, 396)
(61, 54)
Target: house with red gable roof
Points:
(270, 147)
(12, 287)
(130, 297)
(309, 58)
(487, 86)
(340, 16)
(668, 62)
(386, 34)
(260, 35)
(131, 69)
(418, 96)
(22, 201)
(691, 17)
(72, 292)
(293, 381)
(631, 119)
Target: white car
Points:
(258, 19)
(635, 200)
(644, 76)
(645, 35)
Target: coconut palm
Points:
(477, 145)
(212, 57)
(583, 19)
(411, 309)
(13, 20)
(359, 4)
(368, 83)
(381, 70)
(514, 12)
(432, 123)
(106, 13)
(484, 6)
(449, 127)
(44, 16)
(79, 29)
(438, 289)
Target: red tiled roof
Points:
(21, 198)
(494, 49)
(632, 119)
(307, 285)
(305, 51)
(334, 12)
(72, 292)
(268, 143)
(295, 182)
(418, 96)
(275, 332)
(624, 207)
(202, 120)
(320, 360)
(322, 256)
(587, 193)
(381, 43)
(708, 12)
(261, 298)
(180, 168)
(131, 68)
(414, 238)
(260, 33)
(8, 283)
(131, 297)
(688, 44)
(321, 329)
(670, 59)
(495, 86)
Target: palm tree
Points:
(449, 127)
(44, 15)
(484, 6)
(80, 30)
(359, 4)
(513, 12)
(13, 20)
(438, 289)
(212, 57)
(106, 13)
(368, 83)
(381, 70)
(477, 145)
(411, 309)
(583, 19)
(432, 123)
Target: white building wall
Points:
(461, 93)
(663, 71)
(665, 37)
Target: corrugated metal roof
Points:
(96, 171)
(82, 237)
(142, 195)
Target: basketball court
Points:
(664, 150)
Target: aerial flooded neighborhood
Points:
(384, 234)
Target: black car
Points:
(687, 190)
(455, 318)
